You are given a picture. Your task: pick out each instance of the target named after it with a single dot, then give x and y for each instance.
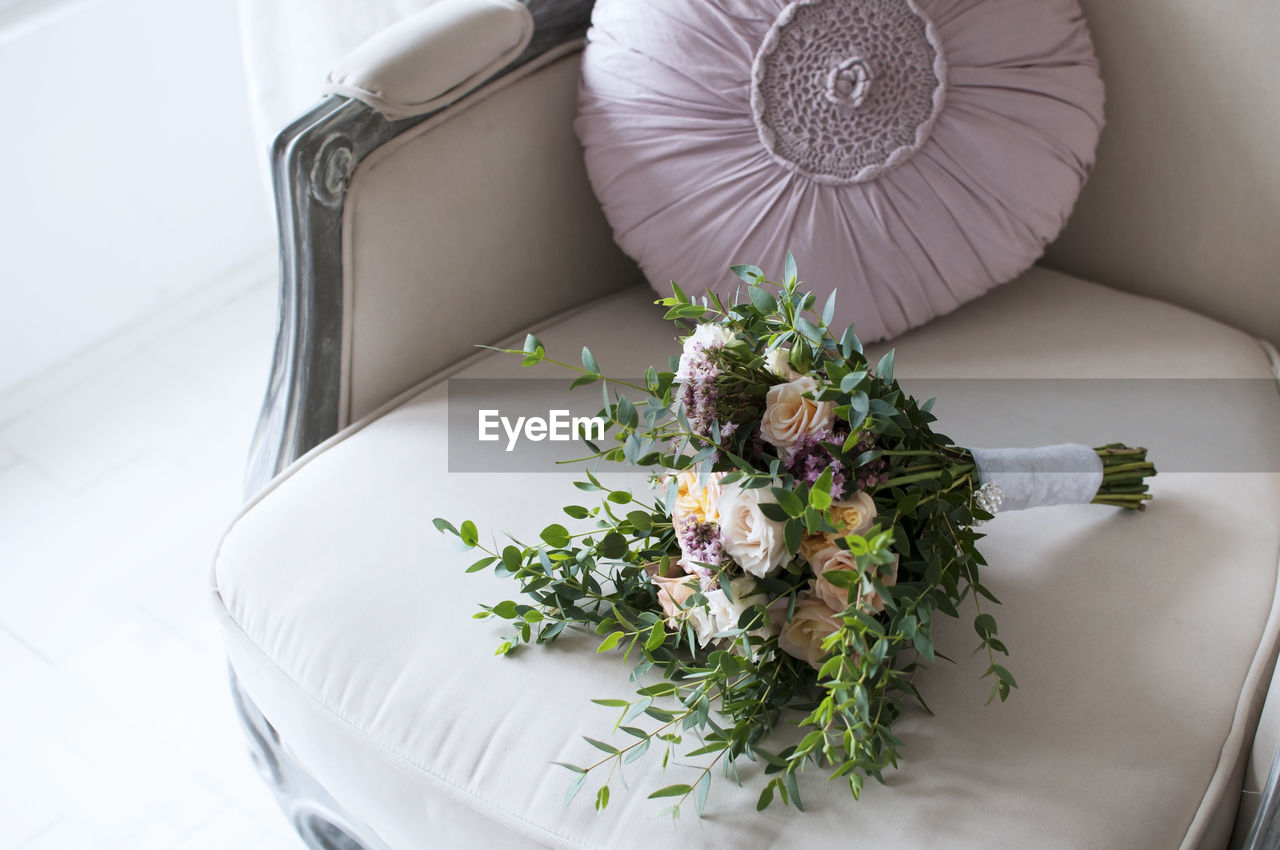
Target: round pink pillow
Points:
(911, 153)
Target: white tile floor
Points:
(118, 473)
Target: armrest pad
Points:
(434, 57)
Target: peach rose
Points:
(673, 594)
(811, 623)
(788, 415)
(834, 558)
(812, 544)
(854, 515)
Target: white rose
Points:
(778, 361)
(727, 614)
(753, 540)
(703, 618)
(788, 415)
(705, 337)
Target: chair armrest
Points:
(392, 231)
(434, 57)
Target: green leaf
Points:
(748, 274)
(583, 380)
(849, 343)
(481, 564)
(574, 787)
(829, 311)
(790, 779)
(637, 708)
(774, 511)
(614, 545)
(602, 798)
(641, 521)
(766, 797)
(626, 412)
(657, 636)
(984, 625)
(885, 367)
(636, 751)
(619, 497)
(704, 786)
(442, 525)
(789, 275)
(809, 330)
(1004, 675)
(610, 642)
(601, 745)
(469, 535)
(589, 361)
(512, 558)
(679, 293)
(671, 791)
(612, 703)
(788, 501)
(859, 405)
(532, 344)
(762, 301)
(555, 535)
(793, 532)
(851, 381)
(820, 492)
(577, 511)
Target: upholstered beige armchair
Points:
(435, 198)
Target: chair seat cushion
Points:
(1142, 644)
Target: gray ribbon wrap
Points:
(1066, 474)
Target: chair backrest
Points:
(1184, 202)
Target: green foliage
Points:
(711, 707)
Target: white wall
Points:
(130, 174)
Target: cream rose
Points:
(705, 337)
(788, 415)
(753, 540)
(811, 623)
(834, 558)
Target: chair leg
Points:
(315, 815)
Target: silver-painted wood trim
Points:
(312, 161)
(317, 818)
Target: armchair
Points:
(440, 171)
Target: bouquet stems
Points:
(1124, 473)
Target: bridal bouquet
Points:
(806, 527)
